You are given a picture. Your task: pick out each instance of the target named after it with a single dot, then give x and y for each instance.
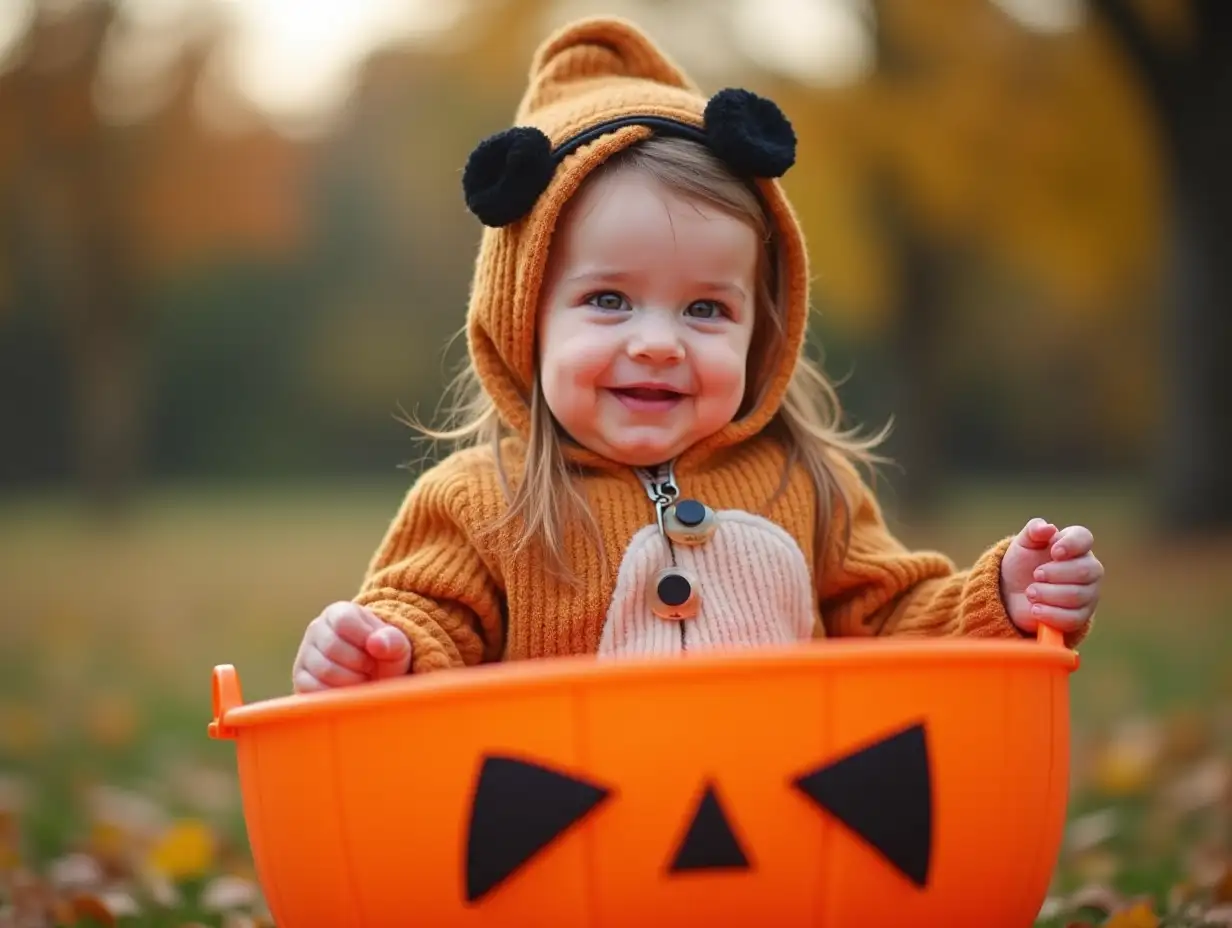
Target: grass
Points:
(110, 630)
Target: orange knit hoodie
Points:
(463, 596)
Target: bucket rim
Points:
(585, 673)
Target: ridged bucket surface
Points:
(871, 783)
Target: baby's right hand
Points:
(347, 644)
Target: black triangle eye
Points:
(519, 808)
(883, 793)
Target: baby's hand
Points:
(347, 644)
(1051, 576)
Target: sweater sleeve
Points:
(882, 588)
(429, 577)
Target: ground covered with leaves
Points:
(115, 809)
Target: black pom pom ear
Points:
(750, 133)
(506, 173)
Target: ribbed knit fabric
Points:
(754, 587)
(464, 596)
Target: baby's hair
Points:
(808, 421)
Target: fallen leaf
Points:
(1208, 866)
(1181, 895)
(1222, 890)
(186, 850)
(1141, 915)
(159, 887)
(1126, 765)
(1220, 915)
(1097, 866)
(10, 841)
(75, 872)
(1091, 830)
(1187, 735)
(1098, 896)
(1050, 909)
(106, 908)
(110, 846)
(1202, 786)
(229, 892)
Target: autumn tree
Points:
(98, 210)
(974, 149)
(1181, 55)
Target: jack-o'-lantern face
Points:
(876, 786)
(882, 793)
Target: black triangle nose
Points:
(710, 843)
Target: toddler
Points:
(649, 462)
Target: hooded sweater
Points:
(464, 594)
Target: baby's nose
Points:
(656, 340)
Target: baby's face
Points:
(645, 319)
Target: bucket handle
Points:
(1047, 635)
(227, 696)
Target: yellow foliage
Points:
(186, 850)
(1038, 148)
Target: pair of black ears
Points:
(507, 172)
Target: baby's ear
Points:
(506, 173)
(750, 134)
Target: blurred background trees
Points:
(220, 265)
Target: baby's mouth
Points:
(647, 394)
(647, 399)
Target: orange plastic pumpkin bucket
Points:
(838, 783)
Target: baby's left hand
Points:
(1051, 576)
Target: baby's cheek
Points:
(571, 363)
(723, 372)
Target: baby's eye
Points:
(705, 309)
(607, 300)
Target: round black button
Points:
(675, 590)
(690, 512)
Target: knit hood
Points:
(596, 87)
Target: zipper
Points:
(660, 485)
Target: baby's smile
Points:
(649, 398)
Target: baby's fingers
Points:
(327, 672)
(1066, 595)
(1071, 542)
(392, 651)
(1065, 620)
(345, 654)
(1085, 569)
(350, 622)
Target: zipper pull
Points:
(662, 491)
